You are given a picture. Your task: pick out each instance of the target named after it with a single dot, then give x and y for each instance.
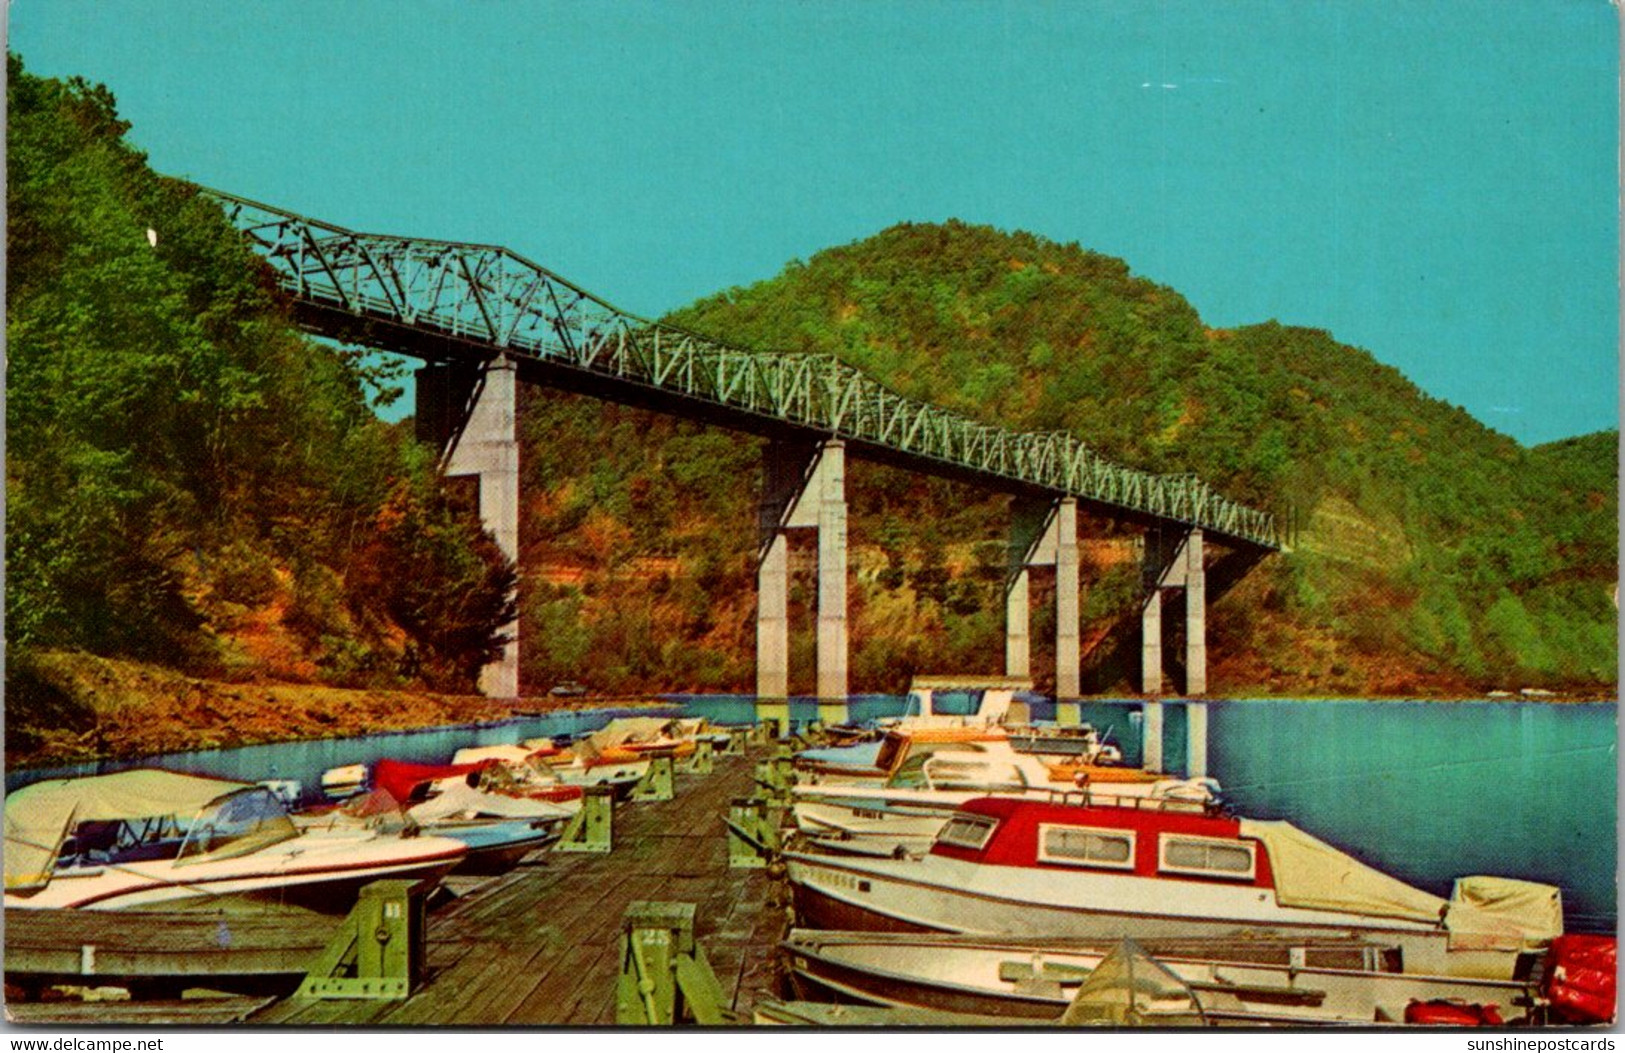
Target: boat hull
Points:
(885, 895)
(318, 881)
(1259, 982)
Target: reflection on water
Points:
(1425, 791)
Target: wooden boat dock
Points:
(541, 944)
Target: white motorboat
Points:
(147, 837)
(907, 812)
(1249, 980)
(1023, 867)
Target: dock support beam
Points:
(473, 417)
(1044, 535)
(1175, 566)
(802, 488)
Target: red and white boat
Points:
(1023, 867)
(147, 838)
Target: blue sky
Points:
(1434, 181)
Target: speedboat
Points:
(148, 837)
(495, 843)
(1251, 979)
(1010, 865)
(907, 812)
(579, 767)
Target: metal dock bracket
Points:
(701, 762)
(753, 833)
(593, 828)
(378, 952)
(665, 978)
(656, 784)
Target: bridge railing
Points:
(493, 297)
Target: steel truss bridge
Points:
(462, 303)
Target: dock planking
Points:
(540, 945)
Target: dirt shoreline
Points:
(104, 709)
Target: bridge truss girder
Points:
(462, 302)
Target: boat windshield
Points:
(911, 775)
(959, 771)
(236, 825)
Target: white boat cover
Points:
(39, 817)
(1311, 873)
(475, 754)
(1503, 914)
(459, 800)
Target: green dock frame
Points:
(776, 775)
(701, 763)
(593, 828)
(656, 784)
(377, 954)
(665, 978)
(753, 832)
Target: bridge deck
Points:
(540, 945)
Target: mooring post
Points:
(377, 953)
(700, 763)
(656, 784)
(665, 977)
(593, 828)
(753, 838)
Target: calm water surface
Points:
(1426, 791)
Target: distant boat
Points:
(149, 837)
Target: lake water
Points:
(1425, 791)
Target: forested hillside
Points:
(189, 482)
(1430, 554)
(194, 486)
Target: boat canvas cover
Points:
(619, 732)
(460, 800)
(400, 779)
(1312, 874)
(1503, 914)
(40, 817)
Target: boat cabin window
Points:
(236, 825)
(967, 831)
(1086, 846)
(948, 771)
(1208, 856)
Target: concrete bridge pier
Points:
(1044, 535)
(473, 416)
(803, 487)
(1175, 566)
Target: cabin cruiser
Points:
(905, 814)
(148, 837)
(944, 711)
(1011, 865)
